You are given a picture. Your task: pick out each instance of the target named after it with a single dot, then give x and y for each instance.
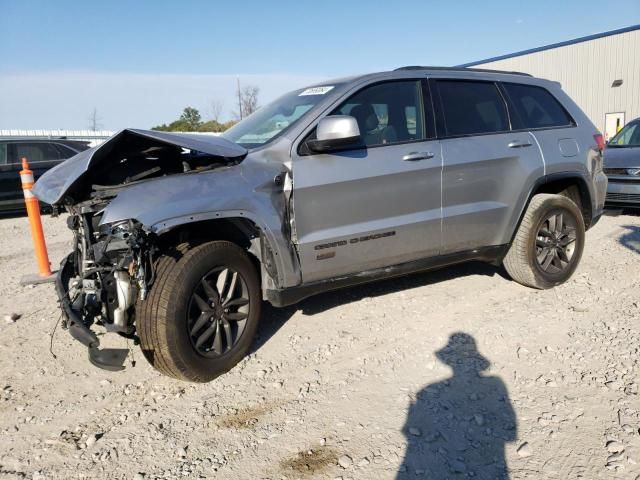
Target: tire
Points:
(174, 309)
(533, 247)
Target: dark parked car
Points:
(42, 155)
(622, 166)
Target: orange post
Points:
(33, 210)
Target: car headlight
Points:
(120, 230)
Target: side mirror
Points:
(335, 132)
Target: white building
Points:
(600, 72)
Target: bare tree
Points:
(249, 100)
(216, 107)
(94, 120)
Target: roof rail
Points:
(460, 69)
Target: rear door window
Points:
(3, 154)
(535, 107)
(470, 108)
(37, 152)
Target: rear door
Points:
(487, 168)
(377, 205)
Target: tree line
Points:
(191, 120)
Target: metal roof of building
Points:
(553, 45)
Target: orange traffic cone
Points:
(37, 234)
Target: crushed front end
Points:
(116, 194)
(99, 283)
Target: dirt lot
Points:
(459, 373)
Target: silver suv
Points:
(180, 238)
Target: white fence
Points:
(94, 137)
(69, 134)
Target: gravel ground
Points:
(459, 373)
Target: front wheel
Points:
(201, 313)
(548, 244)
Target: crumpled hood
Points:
(626, 157)
(55, 183)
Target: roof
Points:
(408, 68)
(554, 45)
(458, 69)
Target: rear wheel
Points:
(548, 244)
(202, 312)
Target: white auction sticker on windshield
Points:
(316, 91)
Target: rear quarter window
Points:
(536, 107)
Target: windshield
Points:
(273, 119)
(629, 136)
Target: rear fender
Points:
(579, 179)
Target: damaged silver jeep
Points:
(179, 238)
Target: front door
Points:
(374, 206)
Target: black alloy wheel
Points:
(218, 312)
(548, 243)
(555, 242)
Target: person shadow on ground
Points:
(458, 428)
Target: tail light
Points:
(599, 141)
(596, 161)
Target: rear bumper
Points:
(598, 193)
(623, 191)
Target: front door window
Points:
(387, 113)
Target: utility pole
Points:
(94, 120)
(239, 98)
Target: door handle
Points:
(519, 144)
(414, 156)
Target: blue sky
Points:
(139, 63)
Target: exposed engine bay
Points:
(109, 269)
